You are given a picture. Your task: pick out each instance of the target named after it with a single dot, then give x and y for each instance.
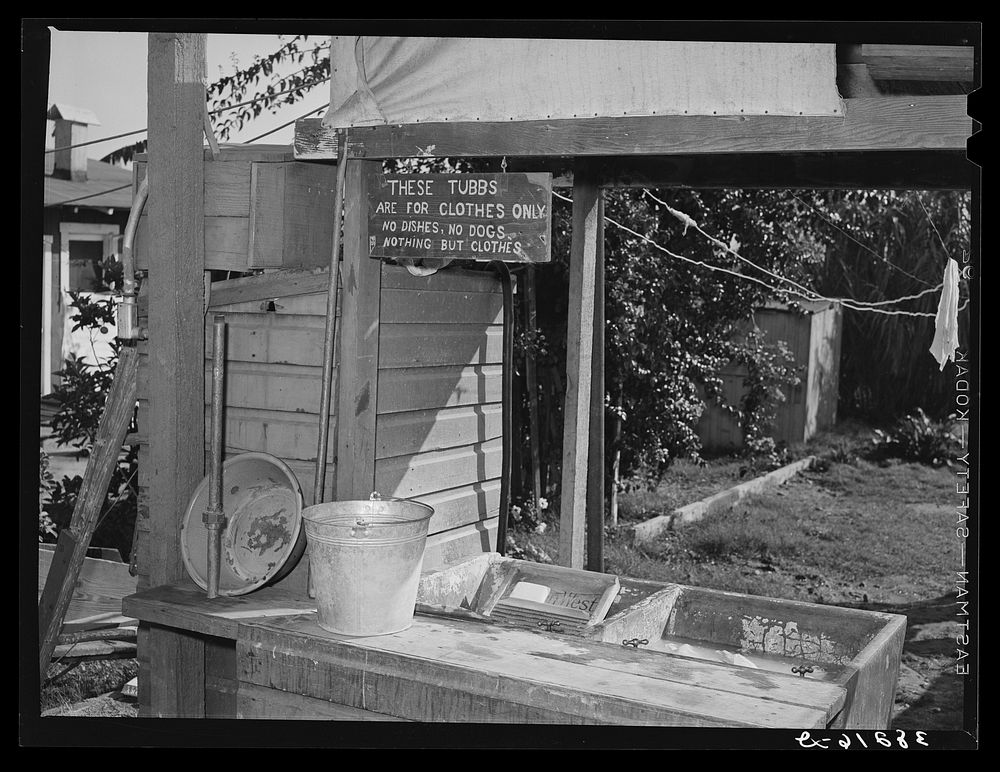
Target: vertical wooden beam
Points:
(579, 367)
(595, 453)
(358, 373)
(176, 73)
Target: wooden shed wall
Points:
(438, 434)
(814, 340)
(438, 425)
(824, 366)
(791, 422)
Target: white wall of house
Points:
(90, 345)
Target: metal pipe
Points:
(330, 335)
(128, 317)
(214, 517)
(329, 338)
(507, 406)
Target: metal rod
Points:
(329, 338)
(506, 403)
(214, 517)
(128, 325)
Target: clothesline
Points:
(875, 255)
(804, 293)
(689, 222)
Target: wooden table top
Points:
(461, 670)
(184, 605)
(444, 669)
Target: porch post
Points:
(176, 72)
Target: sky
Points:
(105, 72)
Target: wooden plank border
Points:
(867, 124)
(649, 530)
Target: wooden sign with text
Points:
(462, 216)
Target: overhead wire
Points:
(94, 141)
(865, 247)
(808, 295)
(210, 112)
(690, 222)
(268, 96)
(289, 123)
(90, 195)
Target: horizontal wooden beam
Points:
(864, 125)
(886, 170)
(908, 62)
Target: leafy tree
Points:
(883, 245)
(671, 326)
(264, 83)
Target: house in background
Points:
(86, 208)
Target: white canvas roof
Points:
(399, 80)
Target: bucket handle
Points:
(361, 522)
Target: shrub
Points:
(81, 395)
(917, 438)
(46, 484)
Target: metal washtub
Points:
(366, 558)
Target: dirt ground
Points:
(111, 705)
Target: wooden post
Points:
(176, 348)
(71, 549)
(579, 367)
(595, 454)
(358, 373)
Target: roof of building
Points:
(74, 114)
(107, 186)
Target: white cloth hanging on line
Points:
(946, 322)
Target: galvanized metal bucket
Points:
(366, 558)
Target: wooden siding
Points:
(438, 423)
(791, 423)
(824, 366)
(814, 341)
(438, 431)
(262, 209)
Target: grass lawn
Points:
(853, 533)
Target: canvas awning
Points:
(402, 80)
